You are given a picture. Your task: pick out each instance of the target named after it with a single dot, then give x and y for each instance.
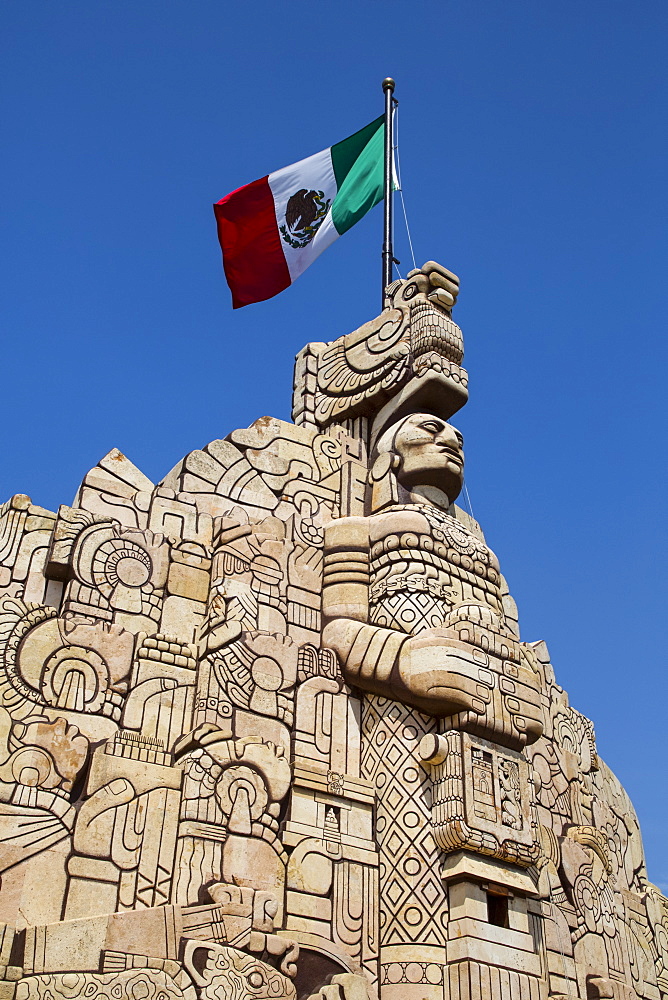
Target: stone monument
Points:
(268, 729)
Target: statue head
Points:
(424, 455)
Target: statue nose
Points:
(448, 437)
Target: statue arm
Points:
(367, 653)
(382, 660)
(438, 670)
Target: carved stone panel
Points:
(268, 729)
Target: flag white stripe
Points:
(315, 173)
(324, 237)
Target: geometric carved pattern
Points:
(410, 612)
(413, 898)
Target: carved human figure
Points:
(193, 801)
(413, 600)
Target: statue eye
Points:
(256, 979)
(431, 425)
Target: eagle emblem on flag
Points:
(271, 230)
(304, 214)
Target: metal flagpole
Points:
(388, 252)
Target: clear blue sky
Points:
(533, 152)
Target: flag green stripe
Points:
(345, 153)
(362, 187)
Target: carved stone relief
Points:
(268, 728)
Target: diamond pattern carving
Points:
(413, 901)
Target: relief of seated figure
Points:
(413, 600)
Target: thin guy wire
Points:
(468, 499)
(401, 190)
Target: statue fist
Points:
(440, 675)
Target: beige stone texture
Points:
(268, 728)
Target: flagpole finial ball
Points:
(388, 84)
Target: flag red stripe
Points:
(253, 258)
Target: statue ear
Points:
(384, 463)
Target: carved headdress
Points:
(406, 360)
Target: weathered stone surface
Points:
(268, 728)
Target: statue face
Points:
(431, 454)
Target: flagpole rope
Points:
(401, 189)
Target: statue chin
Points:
(433, 495)
(442, 484)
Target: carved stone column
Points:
(412, 896)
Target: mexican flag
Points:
(271, 230)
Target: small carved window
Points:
(497, 910)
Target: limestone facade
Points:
(268, 728)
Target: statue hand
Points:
(438, 673)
